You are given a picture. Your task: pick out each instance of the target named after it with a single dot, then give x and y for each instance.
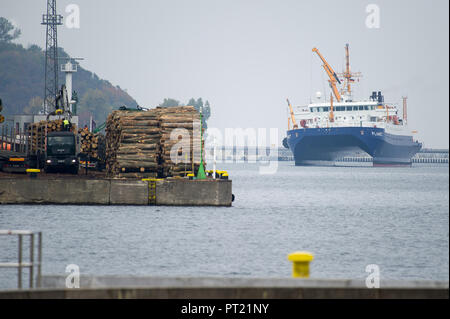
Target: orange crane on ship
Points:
(331, 116)
(292, 115)
(331, 74)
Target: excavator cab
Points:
(61, 152)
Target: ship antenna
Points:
(405, 114)
(347, 75)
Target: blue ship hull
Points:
(319, 146)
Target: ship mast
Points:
(347, 75)
(405, 114)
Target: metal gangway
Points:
(31, 264)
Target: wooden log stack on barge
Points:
(92, 144)
(132, 144)
(171, 119)
(138, 144)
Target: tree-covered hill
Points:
(22, 84)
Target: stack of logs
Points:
(132, 144)
(36, 133)
(178, 147)
(92, 144)
(139, 144)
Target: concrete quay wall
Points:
(124, 287)
(115, 192)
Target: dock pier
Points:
(132, 287)
(78, 191)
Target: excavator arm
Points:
(99, 128)
(62, 105)
(333, 78)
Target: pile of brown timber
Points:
(36, 133)
(132, 144)
(139, 144)
(92, 144)
(176, 162)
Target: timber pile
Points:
(92, 144)
(139, 144)
(36, 133)
(101, 147)
(175, 162)
(132, 144)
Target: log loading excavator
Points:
(61, 152)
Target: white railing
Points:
(68, 68)
(31, 264)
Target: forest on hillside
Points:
(22, 84)
(22, 81)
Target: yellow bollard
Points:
(33, 172)
(300, 263)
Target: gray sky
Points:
(247, 56)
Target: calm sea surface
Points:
(348, 217)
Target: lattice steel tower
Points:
(51, 20)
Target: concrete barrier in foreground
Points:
(116, 192)
(118, 287)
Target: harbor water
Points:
(348, 217)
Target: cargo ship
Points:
(341, 126)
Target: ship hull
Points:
(323, 146)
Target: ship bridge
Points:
(355, 113)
